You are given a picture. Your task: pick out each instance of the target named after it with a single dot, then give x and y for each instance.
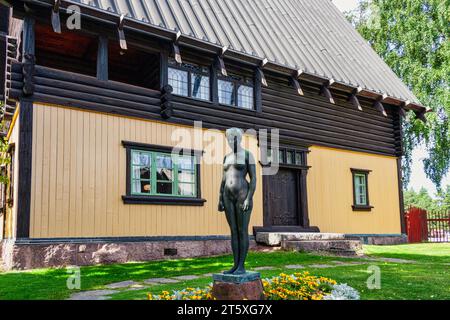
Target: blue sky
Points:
(418, 177)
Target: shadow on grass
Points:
(51, 283)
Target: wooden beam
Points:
(401, 110)
(176, 48)
(56, 21)
(355, 102)
(220, 64)
(28, 58)
(325, 91)
(102, 58)
(121, 33)
(421, 116)
(296, 83)
(261, 77)
(24, 155)
(28, 37)
(379, 106)
(163, 65)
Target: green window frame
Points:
(155, 182)
(156, 176)
(360, 181)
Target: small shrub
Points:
(342, 292)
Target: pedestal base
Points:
(247, 286)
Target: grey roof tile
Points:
(311, 35)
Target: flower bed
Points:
(297, 286)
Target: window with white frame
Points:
(360, 189)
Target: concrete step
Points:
(274, 239)
(336, 247)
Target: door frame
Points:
(302, 209)
(302, 203)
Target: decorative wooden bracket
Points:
(401, 109)
(325, 91)
(260, 72)
(122, 40)
(295, 83)
(176, 49)
(28, 67)
(56, 21)
(421, 116)
(354, 99)
(379, 105)
(166, 102)
(220, 64)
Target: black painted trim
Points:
(177, 201)
(157, 148)
(400, 195)
(355, 206)
(285, 229)
(102, 58)
(361, 208)
(25, 167)
(25, 151)
(163, 68)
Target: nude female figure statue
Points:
(236, 196)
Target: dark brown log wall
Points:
(302, 120)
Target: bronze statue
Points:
(236, 197)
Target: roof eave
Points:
(198, 44)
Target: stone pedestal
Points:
(247, 286)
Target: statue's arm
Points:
(251, 168)
(222, 187)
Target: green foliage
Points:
(423, 200)
(4, 156)
(412, 38)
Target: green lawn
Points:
(428, 277)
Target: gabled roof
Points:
(308, 35)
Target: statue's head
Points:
(234, 137)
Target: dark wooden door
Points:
(282, 199)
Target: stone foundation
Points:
(380, 239)
(31, 254)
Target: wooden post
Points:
(164, 64)
(25, 138)
(214, 85)
(102, 58)
(258, 89)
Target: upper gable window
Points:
(236, 91)
(189, 80)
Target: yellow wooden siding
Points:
(79, 177)
(330, 192)
(11, 212)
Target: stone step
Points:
(337, 247)
(274, 239)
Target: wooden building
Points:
(90, 114)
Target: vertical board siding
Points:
(330, 192)
(11, 212)
(79, 177)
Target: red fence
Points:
(423, 226)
